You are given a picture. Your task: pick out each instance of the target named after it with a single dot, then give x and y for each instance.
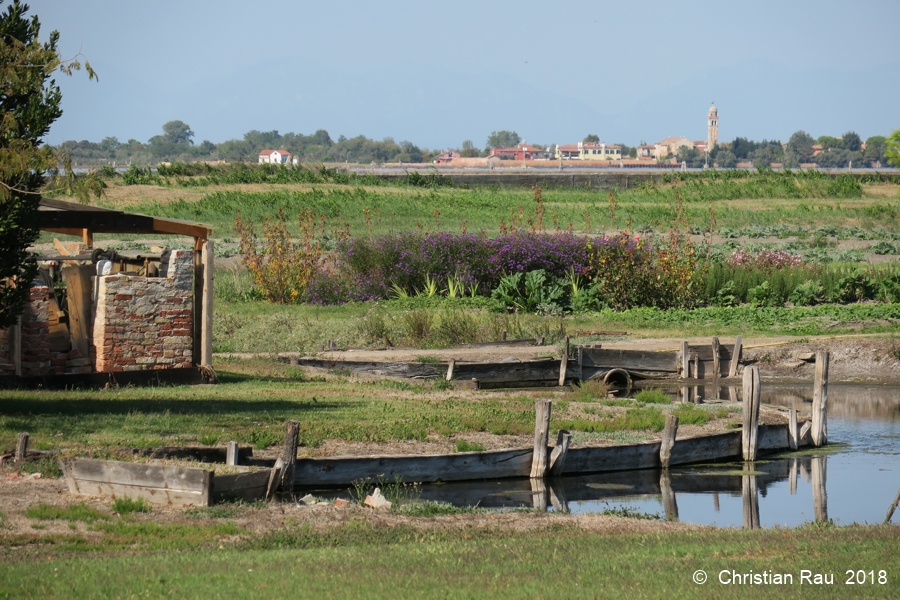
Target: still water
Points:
(853, 480)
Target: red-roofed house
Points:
(444, 158)
(588, 151)
(520, 152)
(278, 157)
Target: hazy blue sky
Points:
(437, 73)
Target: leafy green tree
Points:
(726, 159)
(110, 144)
(502, 139)
(875, 147)
(178, 132)
(892, 151)
(799, 148)
(830, 143)
(591, 138)
(468, 149)
(851, 141)
(29, 104)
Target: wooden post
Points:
(197, 305)
(820, 497)
(231, 454)
(668, 440)
(696, 365)
(803, 436)
(87, 238)
(291, 434)
(274, 477)
(792, 429)
(685, 360)
(564, 363)
(717, 367)
(892, 508)
(750, 499)
(206, 490)
(750, 427)
(735, 357)
(503, 336)
(820, 401)
(558, 456)
(21, 447)
(476, 385)
(670, 506)
(541, 438)
(16, 350)
(78, 302)
(206, 337)
(450, 369)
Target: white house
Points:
(278, 157)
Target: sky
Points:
(439, 73)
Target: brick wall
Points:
(36, 332)
(145, 323)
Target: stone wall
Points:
(145, 323)
(36, 332)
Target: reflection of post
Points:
(558, 497)
(716, 501)
(685, 360)
(820, 498)
(792, 477)
(820, 401)
(750, 426)
(751, 501)
(668, 496)
(685, 394)
(539, 494)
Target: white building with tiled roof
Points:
(278, 157)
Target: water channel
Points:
(852, 480)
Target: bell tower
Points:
(712, 130)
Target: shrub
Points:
(123, 506)
(808, 293)
(653, 396)
(467, 446)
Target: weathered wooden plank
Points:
(735, 357)
(564, 363)
(167, 497)
(231, 455)
(706, 353)
(138, 474)
(612, 458)
(486, 373)
(750, 416)
(396, 369)
(523, 342)
(240, 486)
(78, 303)
(289, 453)
(330, 471)
(558, 456)
(21, 447)
(637, 360)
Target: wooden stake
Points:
(750, 429)
(450, 369)
(274, 477)
(231, 454)
(668, 440)
(503, 336)
(820, 401)
(196, 336)
(792, 429)
(735, 357)
(803, 436)
(87, 238)
(696, 365)
(291, 435)
(716, 367)
(206, 324)
(541, 438)
(685, 360)
(820, 497)
(892, 508)
(78, 302)
(21, 447)
(564, 363)
(558, 456)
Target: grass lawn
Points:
(361, 560)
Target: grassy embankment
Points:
(362, 559)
